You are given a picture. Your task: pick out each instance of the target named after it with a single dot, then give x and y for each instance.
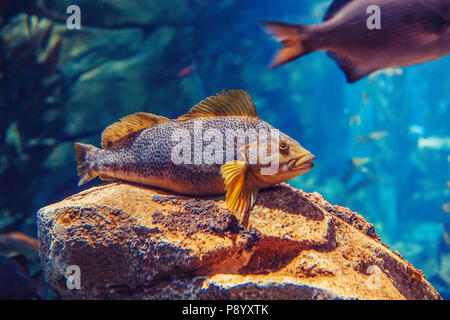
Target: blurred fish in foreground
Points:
(16, 282)
(17, 243)
(19, 257)
(411, 32)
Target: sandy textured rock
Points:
(132, 242)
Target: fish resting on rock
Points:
(219, 146)
(410, 32)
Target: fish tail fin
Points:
(85, 155)
(294, 39)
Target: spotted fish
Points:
(410, 32)
(219, 146)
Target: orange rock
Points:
(131, 242)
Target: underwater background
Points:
(381, 145)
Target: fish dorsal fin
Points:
(226, 103)
(241, 193)
(129, 124)
(335, 6)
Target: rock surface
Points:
(132, 242)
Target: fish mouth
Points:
(304, 162)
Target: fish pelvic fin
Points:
(353, 72)
(85, 155)
(241, 192)
(294, 40)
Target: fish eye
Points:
(284, 146)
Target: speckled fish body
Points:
(219, 146)
(145, 157)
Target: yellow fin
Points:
(241, 193)
(227, 103)
(105, 177)
(129, 124)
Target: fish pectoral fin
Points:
(353, 72)
(129, 124)
(241, 193)
(105, 177)
(226, 103)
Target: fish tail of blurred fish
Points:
(86, 155)
(295, 40)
